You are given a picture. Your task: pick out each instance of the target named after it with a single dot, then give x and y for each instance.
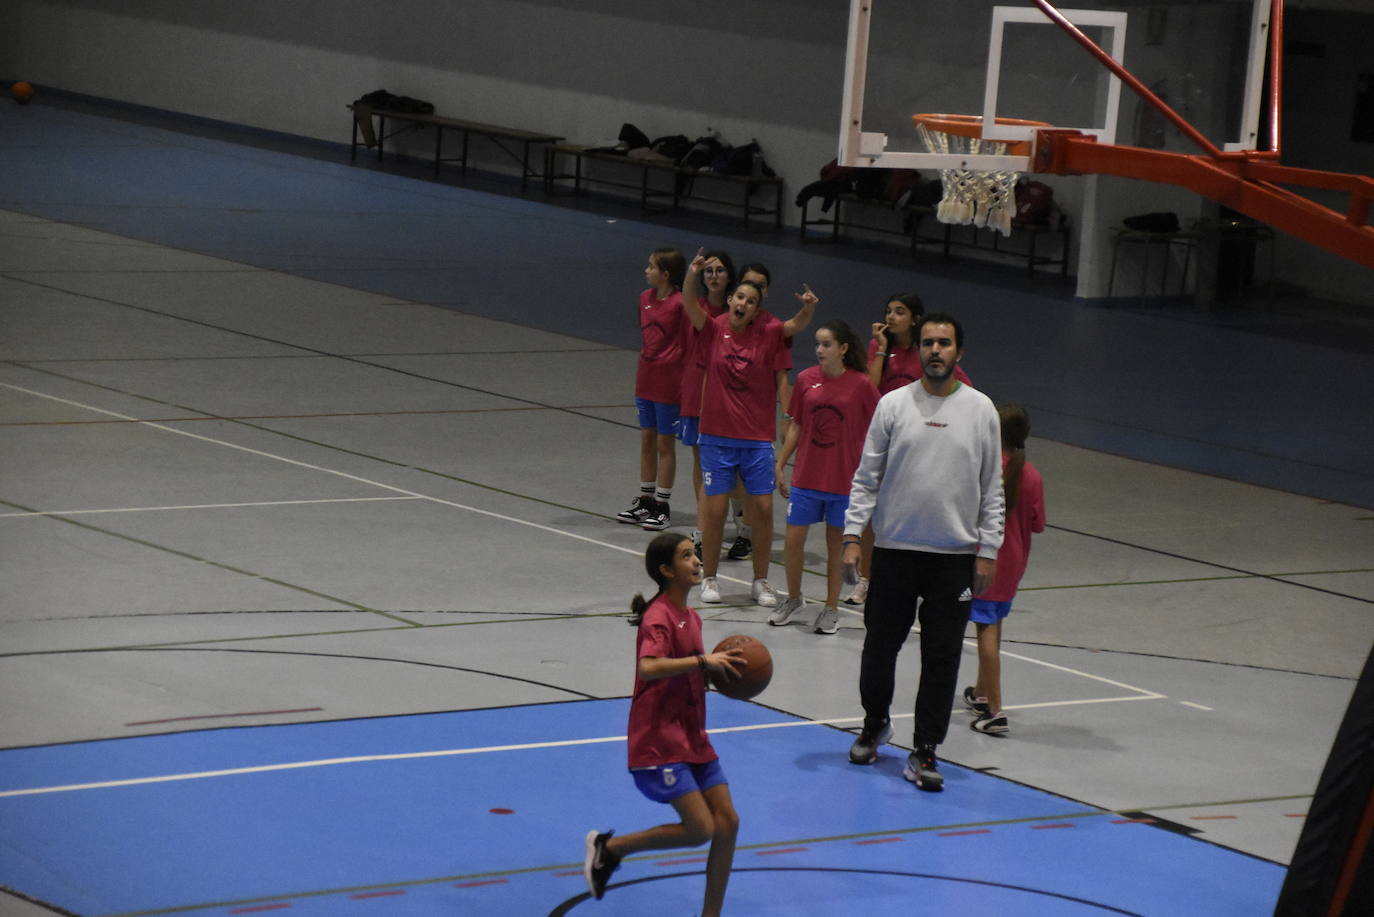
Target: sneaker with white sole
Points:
(710, 591)
(828, 621)
(784, 612)
(599, 862)
(860, 593)
(922, 769)
(637, 512)
(658, 518)
(741, 549)
(978, 705)
(763, 594)
(993, 724)
(865, 747)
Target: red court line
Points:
(1048, 827)
(882, 840)
(770, 853)
(1295, 815)
(485, 882)
(220, 716)
(962, 833)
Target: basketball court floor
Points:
(314, 602)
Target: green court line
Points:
(186, 555)
(838, 838)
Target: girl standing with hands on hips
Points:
(670, 754)
(832, 403)
(657, 382)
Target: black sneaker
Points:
(741, 549)
(657, 518)
(637, 512)
(865, 747)
(990, 724)
(978, 705)
(922, 770)
(600, 862)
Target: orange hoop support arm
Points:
(1242, 181)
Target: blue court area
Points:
(484, 812)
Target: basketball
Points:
(753, 676)
(22, 91)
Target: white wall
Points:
(765, 69)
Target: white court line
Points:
(342, 474)
(163, 509)
(361, 759)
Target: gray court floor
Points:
(234, 496)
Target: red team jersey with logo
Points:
(694, 365)
(741, 380)
(833, 414)
(903, 367)
(662, 349)
(668, 715)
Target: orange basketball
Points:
(22, 91)
(754, 675)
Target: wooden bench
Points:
(363, 116)
(908, 222)
(666, 194)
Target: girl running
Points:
(894, 360)
(831, 406)
(670, 754)
(657, 382)
(1025, 496)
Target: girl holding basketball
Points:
(894, 360)
(1025, 499)
(670, 754)
(657, 381)
(831, 406)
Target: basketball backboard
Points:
(1008, 59)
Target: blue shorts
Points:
(657, 416)
(720, 464)
(667, 782)
(984, 612)
(689, 430)
(807, 507)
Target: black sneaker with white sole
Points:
(637, 512)
(865, 747)
(978, 705)
(741, 549)
(922, 769)
(599, 862)
(657, 519)
(993, 724)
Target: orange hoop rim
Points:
(972, 126)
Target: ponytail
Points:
(1015, 430)
(659, 554)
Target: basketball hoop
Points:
(974, 196)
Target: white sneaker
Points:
(785, 611)
(763, 594)
(710, 591)
(860, 593)
(828, 621)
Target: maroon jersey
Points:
(668, 715)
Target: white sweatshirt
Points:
(932, 467)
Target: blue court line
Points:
(503, 830)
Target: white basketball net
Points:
(971, 196)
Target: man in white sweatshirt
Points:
(930, 481)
